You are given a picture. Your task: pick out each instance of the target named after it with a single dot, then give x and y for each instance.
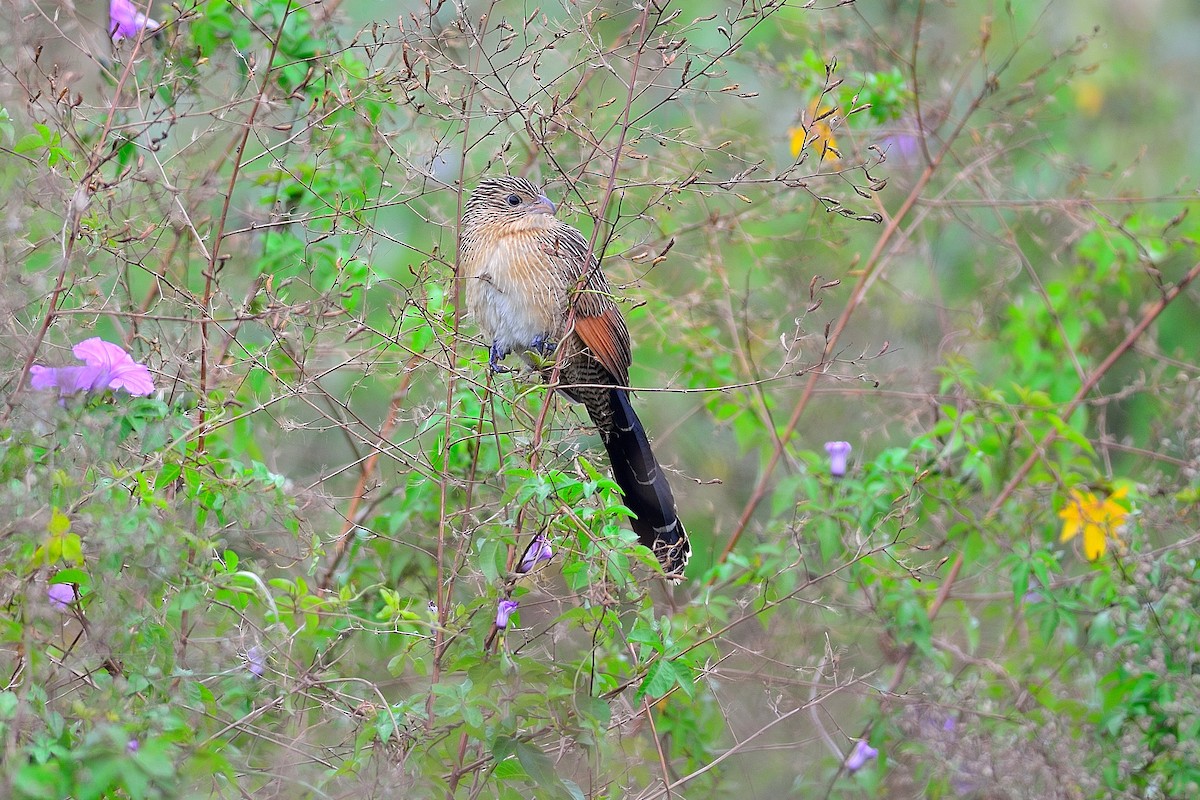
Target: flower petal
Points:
(43, 378)
(68, 380)
(125, 20)
(133, 378)
(504, 610)
(61, 595)
(798, 137)
(860, 755)
(838, 451)
(1070, 529)
(1095, 542)
(95, 352)
(539, 550)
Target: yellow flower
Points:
(1099, 520)
(815, 132)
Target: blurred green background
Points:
(937, 231)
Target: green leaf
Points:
(40, 781)
(8, 704)
(169, 473)
(660, 679)
(541, 770)
(59, 523)
(72, 549)
(28, 143)
(156, 759)
(595, 709)
(509, 769)
(72, 575)
(492, 556)
(503, 747)
(644, 633)
(1020, 580)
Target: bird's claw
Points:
(543, 345)
(496, 354)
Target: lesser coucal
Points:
(525, 273)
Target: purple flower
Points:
(504, 611)
(256, 661)
(539, 550)
(108, 367)
(860, 755)
(837, 457)
(133, 746)
(125, 20)
(61, 595)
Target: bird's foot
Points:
(496, 354)
(543, 345)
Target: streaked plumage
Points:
(521, 267)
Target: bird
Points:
(534, 288)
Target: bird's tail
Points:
(647, 492)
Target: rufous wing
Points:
(606, 336)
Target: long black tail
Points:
(647, 493)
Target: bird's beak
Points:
(545, 204)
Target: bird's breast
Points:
(514, 291)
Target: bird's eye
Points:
(513, 200)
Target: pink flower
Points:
(61, 596)
(108, 367)
(125, 20)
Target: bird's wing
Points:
(598, 321)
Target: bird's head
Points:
(511, 202)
